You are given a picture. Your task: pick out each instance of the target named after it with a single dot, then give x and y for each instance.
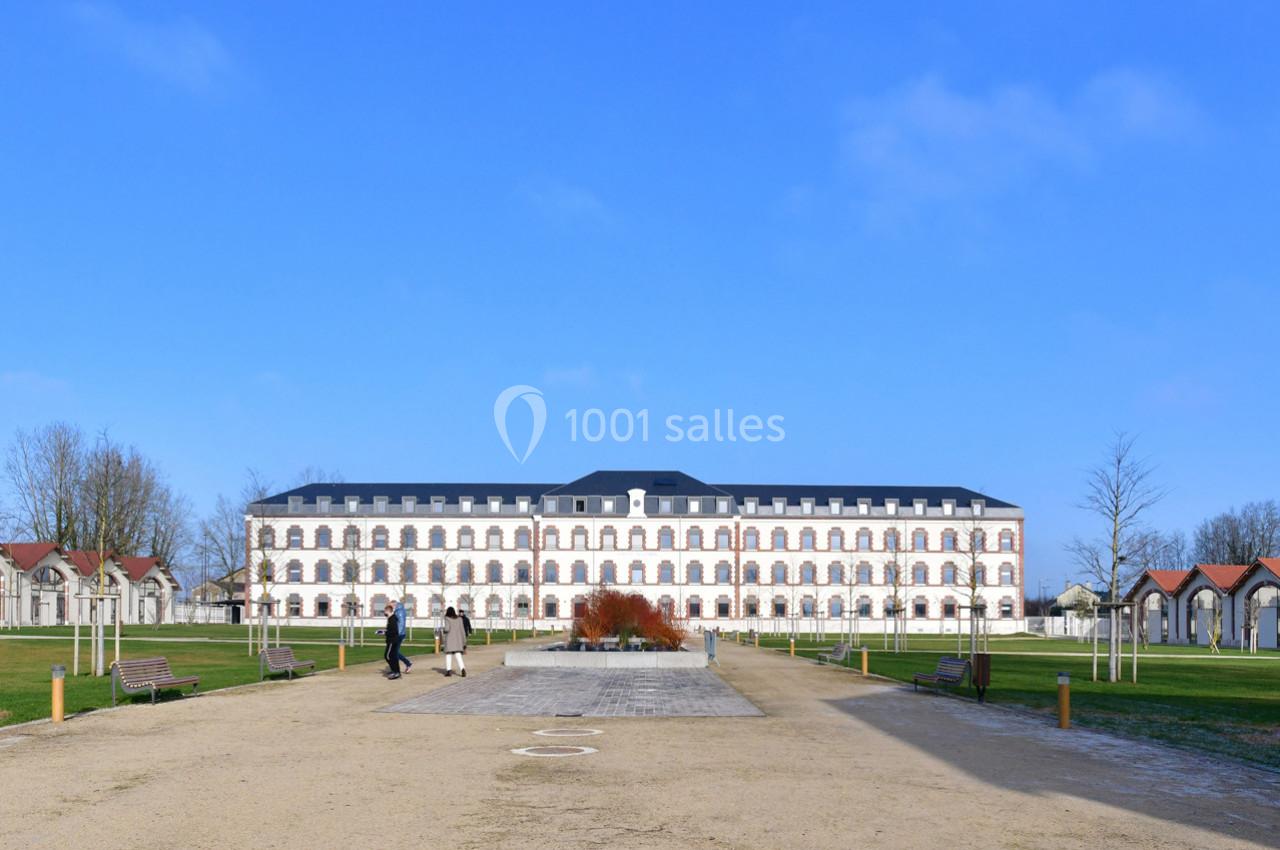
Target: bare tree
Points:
(973, 575)
(318, 475)
(1120, 492)
(1239, 536)
(46, 477)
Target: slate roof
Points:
(612, 482)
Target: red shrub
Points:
(625, 615)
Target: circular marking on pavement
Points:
(568, 733)
(554, 752)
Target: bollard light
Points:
(793, 646)
(59, 681)
(1064, 700)
(342, 656)
(864, 660)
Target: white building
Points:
(42, 585)
(728, 555)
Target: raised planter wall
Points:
(607, 660)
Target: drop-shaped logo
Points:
(533, 397)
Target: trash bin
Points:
(980, 674)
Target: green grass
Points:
(1227, 704)
(220, 658)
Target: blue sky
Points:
(947, 246)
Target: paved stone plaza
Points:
(551, 692)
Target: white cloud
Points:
(181, 51)
(926, 141)
(562, 202)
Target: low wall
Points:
(607, 660)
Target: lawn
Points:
(218, 655)
(1227, 705)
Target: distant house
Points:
(1075, 596)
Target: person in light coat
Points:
(455, 642)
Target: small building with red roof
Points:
(41, 584)
(1201, 596)
(1255, 598)
(1153, 591)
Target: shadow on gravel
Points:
(1026, 754)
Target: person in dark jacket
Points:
(392, 653)
(401, 622)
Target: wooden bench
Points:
(146, 674)
(279, 659)
(951, 671)
(835, 656)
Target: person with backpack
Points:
(402, 620)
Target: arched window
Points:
(948, 541)
(1006, 541)
(493, 538)
(920, 607)
(351, 537)
(267, 538)
(864, 540)
(666, 538)
(979, 540)
(350, 572)
(890, 573)
(779, 539)
(835, 540)
(724, 573)
(324, 573)
(522, 538)
(1006, 574)
(466, 573)
(324, 537)
(579, 572)
(408, 537)
(609, 573)
(751, 540)
(920, 540)
(637, 573)
(293, 571)
(807, 538)
(580, 538)
(948, 573)
(779, 606)
(637, 538)
(551, 540)
(808, 573)
(751, 572)
(919, 574)
(379, 573)
(695, 538)
(437, 572)
(494, 572)
(295, 537)
(806, 606)
(436, 538)
(864, 606)
(779, 573)
(835, 574)
(380, 538)
(550, 608)
(494, 606)
(891, 540)
(695, 608)
(694, 572)
(294, 605)
(835, 607)
(666, 573)
(608, 539)
(408, 572)
(466, 538)
(864, 573)
(550, 572)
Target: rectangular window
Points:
(948, 574)
(550, 609)
(437, 506)
(750, 573)
(294, 572)
(722, 608)
(806, 506)
(295, 606)
(722, 505)
(695, 573)
(666, 573)
(920, 506)
(353, 504)
(609, 574)
(920, 541)
(495, 538)
(437, 573)
(380, 504)
(606, 505)
(408, 504)
(608, 539)
(864, 507)
(579, 538)
(322, 504)
(779, 506)
(693, 504)
(637, 574)
(921, 608)
(551, 504)
(949, 609)
(724, 573)
(522, 505)
(522, 538)
(751, 539)
(380, 572)
(779, 608)
(695, 608)
(322, 607)
(637, 539)
(295, 504)
(295, 538)
(464, 504)
(1006, 610)
(522, 574)
(891, 507)
(836, 506)
(665, 538)
(752, 608)
(322, 573)
(749, 506)
(664, 505)
(495, 573)
(552, 539)
(495, 505)
(379, 538)
(465, 539)
(723, 540)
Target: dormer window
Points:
(977, 505)
(495, 504)
(606, 506)
(664, 504)
(522, 505)
(408, 504)
(353, 504)
(949, 507)
(380, 504)
(806, 506)
(779, 506)
(722, 505)
(864, 507)
(891, 507)
(836, 507)
(464, 504)
(551, 504)
(437, 505)
(579, 506)
(295, 504)
(750, 506)
(322, 504)
(920, 507)
(693, 505)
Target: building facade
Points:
(727, 555)
(1240, 603)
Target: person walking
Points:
(401, 620)
(455, 642)
(392, 653)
